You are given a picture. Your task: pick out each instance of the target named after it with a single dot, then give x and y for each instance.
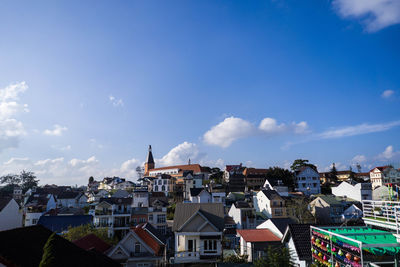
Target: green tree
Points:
(284, 175)
(91, 179)
(298, 163)
(49, 258)
(276, 257)
(75, 233)
(171, 211)
(25, 180)
(236, 259)
(333, 173)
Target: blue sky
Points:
(87, 86)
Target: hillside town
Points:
(205, 216)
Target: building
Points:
(10, 214)
(163, 183)
(73, 199)
(254, 178)
(254, 242)
(24, 247)
(157, 215)
(140, 197)
(114, 214)
(199, 195)
(139, 248)
(330, 209)
(384, 175)
(384, 193)
(232, 169)
(307, 181)
(297, 239)
(270, 203)
(243, 215)
(359, 192)
(277, 185)
(36, 205)
(276, 225)
(198, 232)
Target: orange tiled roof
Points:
(149, 240)
(258, 235)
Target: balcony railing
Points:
(186, 256)
(382, 213)
(102, 212)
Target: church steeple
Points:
(149, 164)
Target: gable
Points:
(208, 228)
(193, 224)
(119, 253)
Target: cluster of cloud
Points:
(387, 94)
(10, 128)
(374, 14)
(56, 131)
(116, 102)
(181, 155)
(233, 128)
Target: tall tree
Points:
(298, 163)
(25, 180)
(278, 173)
(49, 258)
(358, 167)
(333, 173)
(91, 179)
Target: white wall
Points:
(350, 191)
(10, 216)
(29, 217)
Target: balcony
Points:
(186, 257)
(385, 214)
(102, 212)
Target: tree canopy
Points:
(25, 180)
(49, 258)
(278, 173)
(75, 233)
(276, 257)
(298, 163)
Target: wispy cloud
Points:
(56, 131)
(387, 94)
(360, 129)
(116, 102)
(373, 14)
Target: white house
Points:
(307, 181)
(199, 195)
(276, 225)
(140, 198)
(384, 175)
(243, 215)
(270, 203)
(297, 239)
(72, 199)
(36, 205)
(278, 186)
(163, 183)
(198, 232)
(359, 192)
(10, 215)
(124, 185)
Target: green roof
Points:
(367, 236)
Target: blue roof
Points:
(61, 223)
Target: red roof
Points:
(91, 241)
(258, 235)
(381, 168)
(148, 239)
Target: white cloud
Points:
(374, 14)
(232, 128)
(181, 155)
(12, 161)
(116, 102)
(11, 129)
(364, 128)
(47, 162)
(387, 94)
(359, 159)
(389, 153)
(57, 131)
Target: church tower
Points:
(149, 165)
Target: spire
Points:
(189, 162)
(150, 156)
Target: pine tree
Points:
(49, 258)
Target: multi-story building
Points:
(157, 215)
(254, 178)
(140, 197)
(307, 181)
(36, 205)
(163, 183)
(243, 214)
(113, 214)
(270, 203)
(384, 175)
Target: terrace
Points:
(383, 214)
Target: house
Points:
(163, 183)
(24, 247)
(218, 196)
(139, 215)
(36, 205)
(92, 242)
(139, 248)
(232, 169)
(17, 194)
(126, 185)
(277, 185)
(198, 232)
(297, 239)
(243, 214)
(359, 192)
(307, 181)
(232, 241)
(140, 197)
(270, 203)
(352, 213)
(157, 215)
(199, 195)
(110, 183)
(10, 214)
(72, 199)
(254, 242)
(113, 214)
(254, 178)
(384, 175)
(276, 225)
(329, 209)
(94, 196)
(61, 223)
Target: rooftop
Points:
(258, 235)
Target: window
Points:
(190, 245)
(151, 218)
(161, 218)
(314, 184)
(163, 188)
(162, 229)
(210, 246)
(137, 247)
(34, 221)
(156, 188)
